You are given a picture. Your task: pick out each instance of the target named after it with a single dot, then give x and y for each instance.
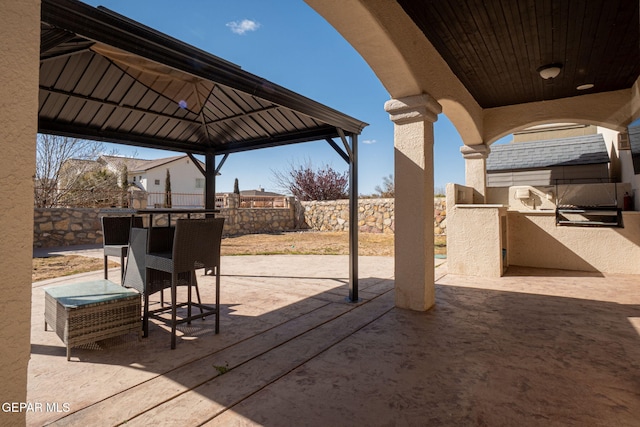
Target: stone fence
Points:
(69, 226)
(76, 226)
(374, 215)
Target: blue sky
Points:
(287, 42)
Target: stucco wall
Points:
(19, 44)
(547, 196)
(535, 241)
(475, 240)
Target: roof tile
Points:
(577, 150)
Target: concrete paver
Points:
(536, 347)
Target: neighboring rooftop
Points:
(141, 165)
(259, 192)
(578, 150)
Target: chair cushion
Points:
(116, 250)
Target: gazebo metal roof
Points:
(106, 77)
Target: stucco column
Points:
(19, 62)
(413, 117)
(475, 169)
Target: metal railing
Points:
(176, 200)
(272, 202)
(222, 201)
(117, 198)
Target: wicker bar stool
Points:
(115, 237)
(196, 244)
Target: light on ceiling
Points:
(549, 71)
(585, 86)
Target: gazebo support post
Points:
(210, 181)
(353, 220)
(350, 155)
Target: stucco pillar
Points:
(475, 169)
(19, 62)
(413, 117)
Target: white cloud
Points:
(241, 27)
(369, 141)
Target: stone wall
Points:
(374, 215)
(440, 216)
(67, 226)
(75, 226)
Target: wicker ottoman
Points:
(82, 313)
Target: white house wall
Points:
(183, 181)
(183, 177)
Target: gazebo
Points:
(108, 78)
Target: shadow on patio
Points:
(535, 347)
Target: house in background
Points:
(254, 199)
(550, 158)
(72, 168)
(187, 182)
(561, 165)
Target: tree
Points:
(167, 190)
(96, 188)
(124, 176)
(236, 187)
(124, 182)
(306, 183)
(60, 163)
(388, 187)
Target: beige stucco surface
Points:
(535, 241)
(413, 162)
(474, 240)
(19, 44)
(613, 110)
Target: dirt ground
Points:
(293, 243)
(65, 265)
(307, 243)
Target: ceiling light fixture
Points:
(585, 86)
(549, 71)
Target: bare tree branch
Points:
(306, 183)
(388, 187)
(61, 163)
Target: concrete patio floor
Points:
(536, 347)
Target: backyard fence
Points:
(75, 226)
(111, 198)
(195, 200)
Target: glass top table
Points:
(94, 292)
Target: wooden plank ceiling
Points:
(496, 46)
